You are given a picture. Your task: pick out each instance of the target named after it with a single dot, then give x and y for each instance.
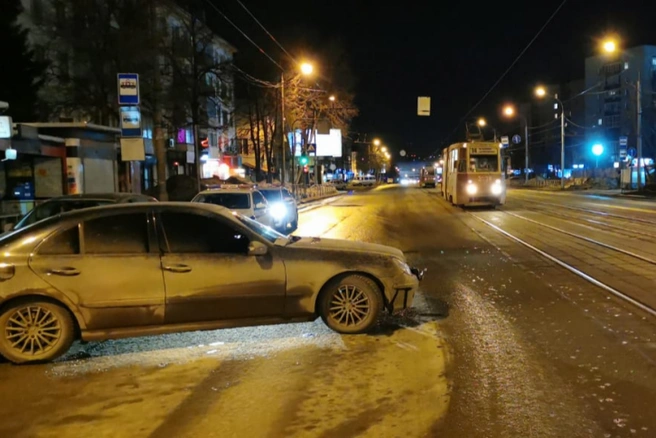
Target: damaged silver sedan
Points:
(145, 269)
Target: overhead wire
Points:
(505, 73)
(261, 50)
(266, 31)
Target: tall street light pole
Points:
(509, 111)
(542, 92)
(610, 46)
(306, 69)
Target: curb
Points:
(319, 202)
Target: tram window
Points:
(462, 166)
(484, 163)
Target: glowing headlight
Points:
(403, 265)
(471, 189)
(278, 211)
(497, 188)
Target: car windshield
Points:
(232, 201)
(271, 195)
(262, 230)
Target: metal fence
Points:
(304, 193)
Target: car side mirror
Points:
(260, 206)
(256, 248)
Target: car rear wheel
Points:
(35, 331)
(351, 304)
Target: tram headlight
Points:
(471, 188)
(497, 189)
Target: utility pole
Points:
(283, 155)
(562, 142)
(562, 146)
(526, 150)
(639, 130)
(158, 134)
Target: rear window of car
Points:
(233, 201)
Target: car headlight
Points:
(471, 188)
(403, 266)
(278, 210)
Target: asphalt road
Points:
(504, 341)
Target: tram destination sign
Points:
(484, 151)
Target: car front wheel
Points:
(35, 331)
(351, 304)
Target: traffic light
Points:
(303, 160)
(305, 169)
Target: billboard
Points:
(327, 145)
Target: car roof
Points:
(89, 213)
(117, 197)
(73, 217)
(228, 190)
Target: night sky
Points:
(452, 53)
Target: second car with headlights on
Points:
(147, 269)
(282, 207)
(246, 200)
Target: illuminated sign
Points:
(483, 151)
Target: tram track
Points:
(613, 287)
(594, 222)
(593, 212)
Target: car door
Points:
(106, 266)
(210, 276)
(261, 209)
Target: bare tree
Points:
(198, 78)
(89, 41)
(256, 122)
(308, 104)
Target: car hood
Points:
(319, 243)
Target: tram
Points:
(472, 174)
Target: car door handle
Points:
(178, 268)
(66, 271)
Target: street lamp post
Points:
(542, 92)
(509, 111)
(306, 69)
(610, 46)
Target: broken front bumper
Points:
(403, 292)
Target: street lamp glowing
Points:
(384, 149)
(598, 149)
(610, 46)
(376, 142)
(482, 122)
(509, 111)
(331, 98)
(307, 68)
(540, 92)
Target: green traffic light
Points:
(303, 160)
